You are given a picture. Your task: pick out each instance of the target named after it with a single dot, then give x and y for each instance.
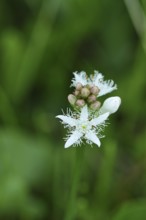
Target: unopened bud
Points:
(76, 92)
(72, 99)
(89, 86)
(78, 86)
(111, 105)
(91, 98)
(80, 102)
(85, 92)
(95, 90)
(95, 106)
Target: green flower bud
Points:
(95, 105)
(95, 90)
(80, 102)
(91, 98)
(72, 99)
(85, 92)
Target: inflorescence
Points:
(88, 118)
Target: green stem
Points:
(105, 178)
(72, 208)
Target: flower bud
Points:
(80, 102)
(111, 105)
(72, 99)
(85, 92)
(78, 86)
(95, 90)
(91, 98)
(76, 92)
(89, 86)
(95, 105)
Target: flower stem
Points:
(72, 208)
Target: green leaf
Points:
(132, 210)
(25, 163)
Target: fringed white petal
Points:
(75, 136)
(104, 86)
(99, 120)
(97, 78)
(67, 120)
(79, 78)
(92, 137)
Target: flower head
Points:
(83, 126)
(94, 80)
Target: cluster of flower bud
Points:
(85, 95)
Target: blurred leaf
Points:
(132, 210)
(13, 48)
(25, 162)
(7, 112)
(25, 156)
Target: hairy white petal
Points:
(92, 137)
(97, 78)
(106, 87)
(100, 119)
(84, 113)
(67, 120)
(73, 138)
(111, 105)
(79, 78)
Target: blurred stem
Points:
(138, 18)
(104, 182)
(71, 209)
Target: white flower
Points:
(111, 105)
(97, 79)
(83, 126)
(104, 86)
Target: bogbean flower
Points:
(89, 117)
(83, 127)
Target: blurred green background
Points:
(41, 43)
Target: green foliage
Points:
(132, 210)
(41, 43)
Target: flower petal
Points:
(97, 78)
(79, 78)
(100, 119)
(67, 120)
(84, 113)
(76, 135)
(92, 137)
(104, 86)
